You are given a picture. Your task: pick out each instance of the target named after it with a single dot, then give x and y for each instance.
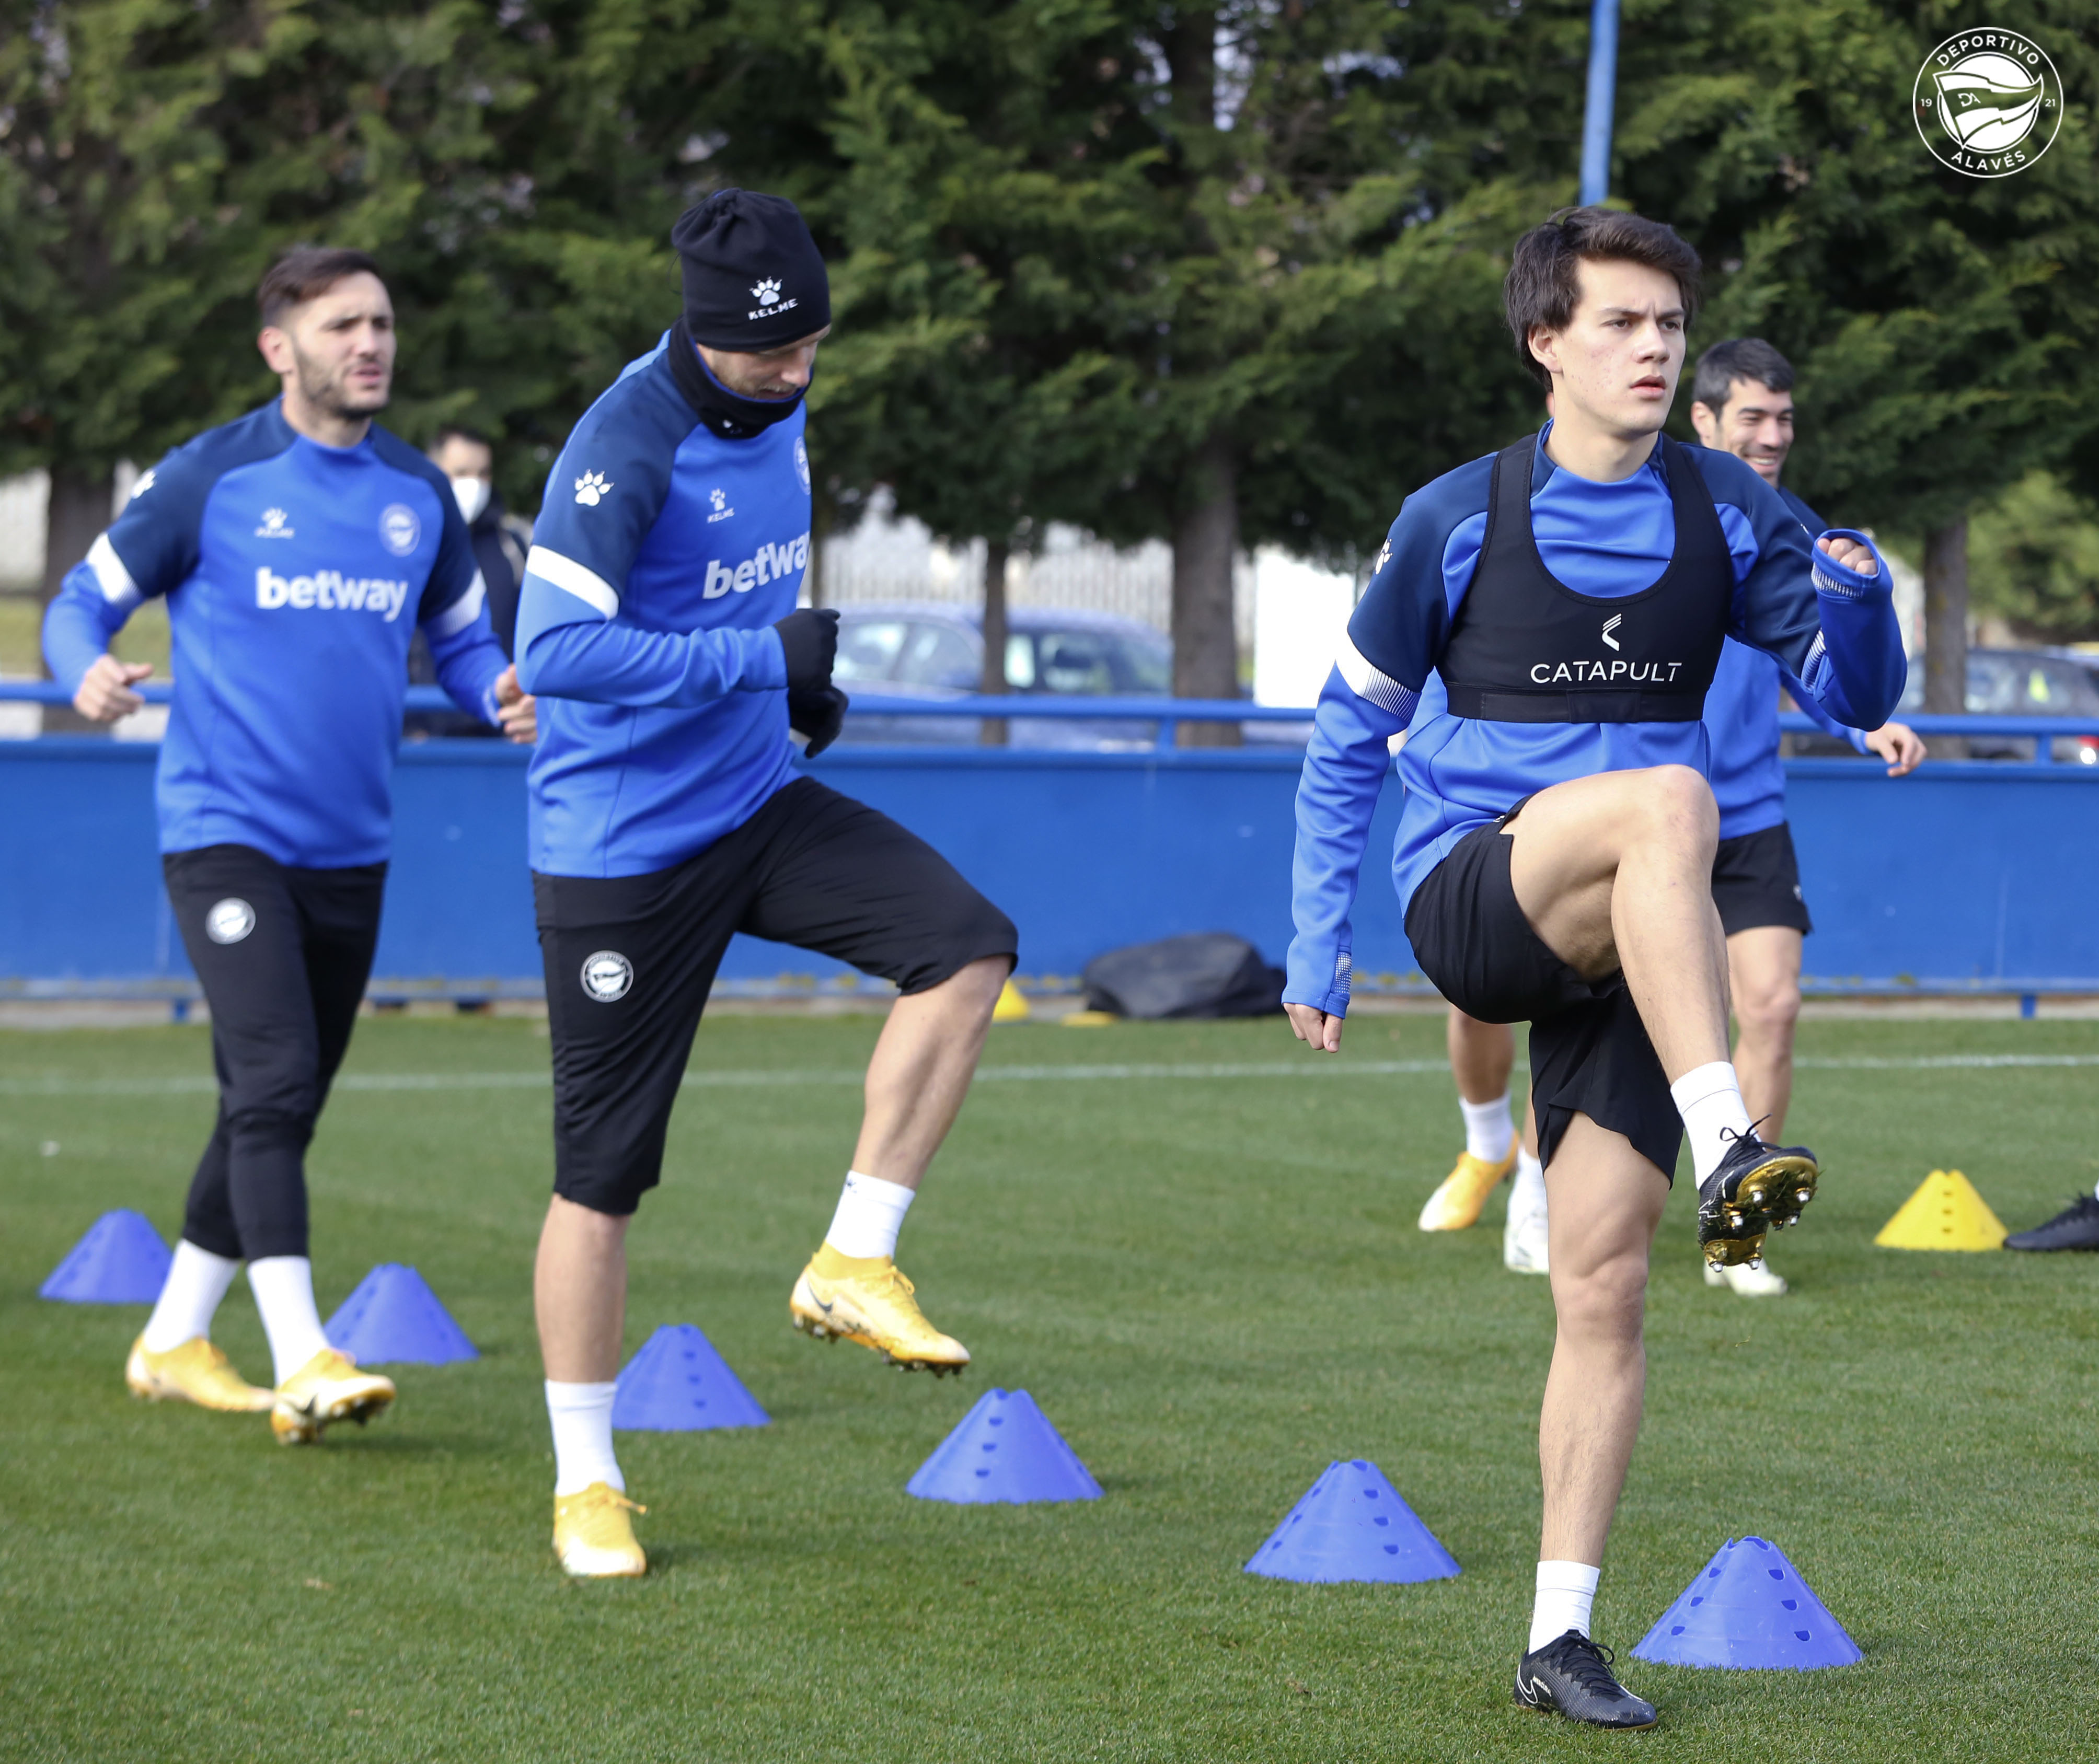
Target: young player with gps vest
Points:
(659, 617)
(298, 549)
(1559, 610)
(1742, 404)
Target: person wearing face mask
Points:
(469, 461)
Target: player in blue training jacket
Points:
(1558, 611)
(659, 620)
(298, 550)
(1742, 404)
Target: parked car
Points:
(936, 652)
(2005, 683)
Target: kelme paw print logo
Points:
(766, 292)
(592, 489)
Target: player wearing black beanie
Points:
(753, 277)
(660, 608)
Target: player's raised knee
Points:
(1677, 802)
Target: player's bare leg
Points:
(852, 1290)
(1606, 1200)
(1614, 873)
(579, 1292)
(1763, 969)
(1482, 1055)
(921, 1069)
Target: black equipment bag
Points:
(1206, 973)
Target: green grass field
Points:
(1213, 1284)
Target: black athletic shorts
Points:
(1589, 1050)
(1756, 882)
(630, 960)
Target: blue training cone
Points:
(1748, 1606)
(1004, 1450)
(393, 1318)
(1352, 1525)
(121, 1260)
(677, 1384)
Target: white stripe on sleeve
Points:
(1367, 682)
(573, 578)
(461, 612)
(118, 587)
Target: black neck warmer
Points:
(726, 414)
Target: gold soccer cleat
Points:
(594, 1538)
(195, 1372)
(1749, 1280)
(328, 1389)
(867, 1299)
(1464, 1191)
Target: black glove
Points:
(819, 713)
(809, 636)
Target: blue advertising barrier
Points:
(1967, 877)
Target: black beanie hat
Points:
(753, 277)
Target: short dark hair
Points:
(306, 271)
(460, 432)
(1541, 288)
(1739, 358)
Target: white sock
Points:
(284, 1288)
(870, 1214)
(1527, 1194)
(1489, 1131)
(196, 1282)
(1709, 1099)
(582, 1418)
(1566, 1594)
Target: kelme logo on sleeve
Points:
(770, 563)
(332, 591)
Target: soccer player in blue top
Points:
(298, 550)
(658, 619)
(1741, 403)
(1558, 610)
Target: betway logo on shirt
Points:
(332, 589)
(770, 563)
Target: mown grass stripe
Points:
(202, 1084)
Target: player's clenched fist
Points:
(105, 691)
(516, 710)
(1852, 553)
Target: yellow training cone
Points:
(1945, 1213)
(1011, 1007)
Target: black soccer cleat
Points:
(1571, 1676)
(1758, 1188)
(2076, 1227)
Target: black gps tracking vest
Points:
(1526, 648)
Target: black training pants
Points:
(283, 955)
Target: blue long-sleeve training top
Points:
(1834, 628)
(662, 556)
(295, 576)
(1741, 723)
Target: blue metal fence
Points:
(1968, 876)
